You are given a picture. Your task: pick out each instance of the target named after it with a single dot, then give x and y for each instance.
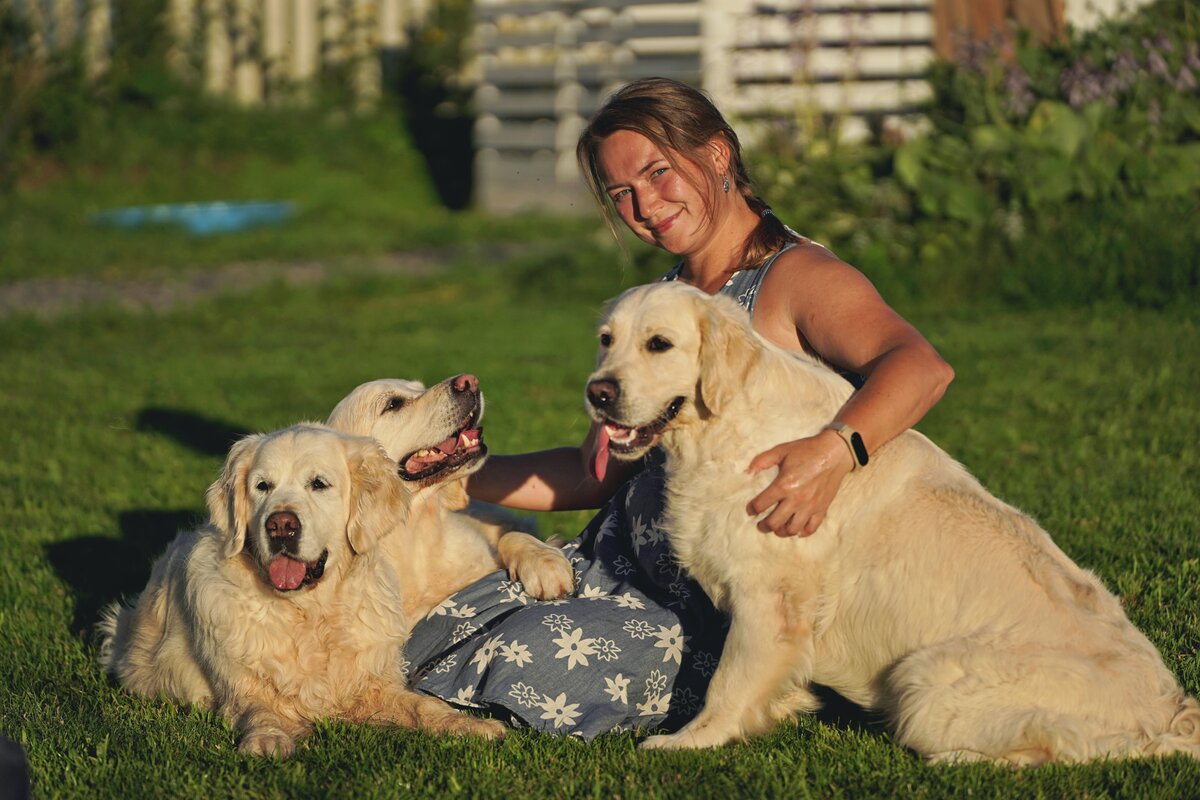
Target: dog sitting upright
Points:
(920, 595)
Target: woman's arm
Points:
(821, 303)
(548, 480)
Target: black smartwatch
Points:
(858, 450)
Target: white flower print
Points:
(559, 623)
(574, 648)
(655, 705)
(466, 697)
(622, 566)
(463, 612)
(656, 683)
(559, 710)
(525, 695)
(515, 592)
(405, 666)
(665, 563)
(606, 649)
(462, 632)
(607, 528)
(516, 653)
(638, 629)
(441, 609)
(640, 535)
(486, 652)
(593, 591)
(705, 663)
(446, 664)
(673, 642)
(628, 600)
(617, 688)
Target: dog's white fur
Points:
(450, 542)
(211, 629)
(921, 594)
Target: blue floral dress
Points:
(633, 647)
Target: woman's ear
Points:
(720, 153)
(228, 503)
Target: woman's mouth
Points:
(665, 225)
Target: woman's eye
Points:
(394, 404)
(657, 344)
(619, 196)
(606, 340)
(318, 483)
(262, 486)
(660, 171)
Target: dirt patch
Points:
(51, 298)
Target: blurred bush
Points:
(1067, 173)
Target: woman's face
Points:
(657, 201)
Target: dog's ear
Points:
(728, 351)
(378, 500)
(228, 502)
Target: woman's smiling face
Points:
(658, 201)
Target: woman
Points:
(661, 158)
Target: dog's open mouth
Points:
(623, 439)
(288, 574)
(464, 447)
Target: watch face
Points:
(860, 449)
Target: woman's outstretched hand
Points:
(810, 472)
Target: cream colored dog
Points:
(435, 436)
(921, 594)
(285, 609)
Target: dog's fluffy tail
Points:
(1183, 734)
(114, 620)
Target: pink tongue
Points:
(600, 458)
(286, 573)
(449, 445)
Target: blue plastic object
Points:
(201, 219)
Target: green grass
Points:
(116, 423)
(358, 185)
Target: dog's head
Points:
(303, 501)
(668, 354)
(433, 434)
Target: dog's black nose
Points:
(283, 525)
(603, 392)
(465, 383)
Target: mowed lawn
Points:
(114, 424)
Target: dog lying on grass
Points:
(921, 595)
(285, 608)
(436, 438)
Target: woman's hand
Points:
(810, 472)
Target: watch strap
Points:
(854, 441)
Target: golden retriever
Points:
(436, 437)
(921, 594)
(284, 608)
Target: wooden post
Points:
(217, 48)
(247, 76)
(181, 25)
(305, 42)
(97, 50)
(66, 23)
(274, 47)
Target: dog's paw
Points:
(663, 742)
(544, 571)
(267, 743)
(466, 725)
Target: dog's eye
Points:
(263, 486)
(318, 483)
(657, 344)
(606, 340)
(394, 403)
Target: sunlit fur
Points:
(211, 629)
(921, 595)
(449, 543)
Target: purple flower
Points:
(1158, 65)
(1019, 98)
(1185, 81)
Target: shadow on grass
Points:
(100, 569)
(205, 435)
(839, 712)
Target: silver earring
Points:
(725, 184)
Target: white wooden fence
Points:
(250, 50)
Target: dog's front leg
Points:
(541, 568)
(763, 673)
(265, 733)
(409, 709)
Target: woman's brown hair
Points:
(681, 122)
